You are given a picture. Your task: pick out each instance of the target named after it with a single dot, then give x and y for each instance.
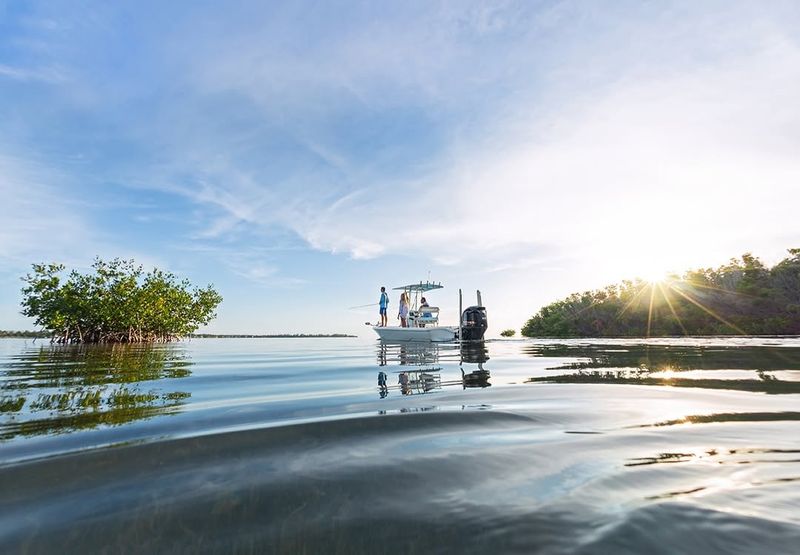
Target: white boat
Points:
(397, 333)
(423, 321)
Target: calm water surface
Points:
(271, 445)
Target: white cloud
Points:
(45, 219)
(678, 168)
(45, 74)
(38, 217)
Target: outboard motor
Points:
(473, 323)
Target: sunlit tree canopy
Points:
(743, 297)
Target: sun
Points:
(654, 276)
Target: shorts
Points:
(383, 311)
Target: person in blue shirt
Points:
(384, 303)
(423, 304)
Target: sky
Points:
(299, 155)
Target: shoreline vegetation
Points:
(117, 302)
(743, 297)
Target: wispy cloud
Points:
(669, 166)
(255, 263)
(37, 220)
(650, 158)
(45, 74)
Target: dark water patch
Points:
(683, 528)
(460, 482)
(626, 377)
(728, 417)
(673, 494)
(315, 473)
(732, 456)
(661, 458)
(665, 357)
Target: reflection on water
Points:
(766, 384)
(474, 353)
(757, 368)
(728, 456)
(61, 389)
(728, 417)
(659, 357)
(427, 358)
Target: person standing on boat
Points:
(403, 313)
(384, 303)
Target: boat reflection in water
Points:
(422, 365)
(476, 353)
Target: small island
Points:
(115, 303)
(119, 303)
(743, 297)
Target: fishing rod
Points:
(363, 306)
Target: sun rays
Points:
(742, 297)
(663, 290)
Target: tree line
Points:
(742, 297)
(117, 302)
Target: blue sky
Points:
(299, 155)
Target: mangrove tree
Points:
(743, 297)
(115, 302)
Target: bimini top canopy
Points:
(421, 286)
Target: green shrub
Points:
(118, 302)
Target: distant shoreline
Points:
(45, 335)
(25, 334)
(265, 336)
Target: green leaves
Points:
(116, 302)
(741, 297)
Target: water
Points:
(269, 445)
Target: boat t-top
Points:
(423, 321)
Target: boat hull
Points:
(436, 334)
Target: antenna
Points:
(460, 318)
